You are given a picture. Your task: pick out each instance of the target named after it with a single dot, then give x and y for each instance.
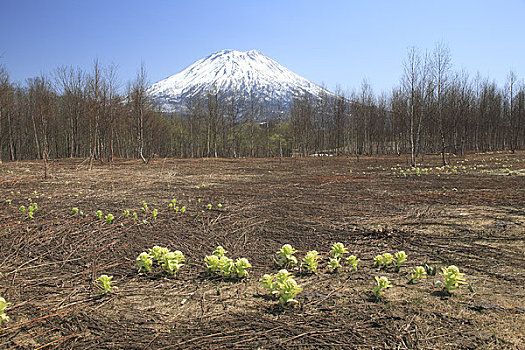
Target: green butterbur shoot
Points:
(144, 262)
(104, 283)
(172, 261)
(382, 285)
(418, 273)
(285, 256)
(334, 264)
(158, 252)
(3, 305)
(400, 257)
(241, 266)
(338, 250)
(220, 252)
(452, 279)
(311, 261)
(353, 261)
(289, 290)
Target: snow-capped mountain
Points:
(233, 73)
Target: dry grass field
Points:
(471, 215)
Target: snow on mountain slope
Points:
(230, 72)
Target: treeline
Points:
(84, 114)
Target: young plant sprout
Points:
(155, 213)
(289, 290)
(219, 263)
(125, 213)
(144, 206)
(334, 264)
(170, 206)
(220, 251)
(226, 267)
(22, 209)
(400, 258)
(268, 282)
(378, 261)
(240, 267)
(212, 263)
(283, 285)
(382, 285)
(135, 215)
(387, 259)
(453, 278)
(286, 256)
(109, 218)
(209, 206)
(418, 273)
(3, 305)
(172, 261)
(353, 261)
(8, 201)
(75, 211)
(104, 284)
(338, 249)
(183, 209)
(144, 262)
(219, 205)
(311, 261)
(158, 252)
(99, 214)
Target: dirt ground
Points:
(471, 215)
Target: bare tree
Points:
(139, 103)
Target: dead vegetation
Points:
(48, 264)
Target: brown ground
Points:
(474, 219)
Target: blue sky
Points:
(338, 43)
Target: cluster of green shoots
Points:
(219, 264)
(30, 210)
(169, 261)
(382, 284)
(283, 285)
(452, 279)
(285, 258)
(3, 305)
(418, 274)
(386, 260)
(104, 284)
(99, 214)
(76, 211)
(336, 258)
(173, 205)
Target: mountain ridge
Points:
(248, 75)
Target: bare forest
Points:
(76, 113)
